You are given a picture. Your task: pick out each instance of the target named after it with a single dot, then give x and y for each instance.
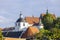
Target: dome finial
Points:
(20, 13)
(21, 16)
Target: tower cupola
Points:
(20, 18)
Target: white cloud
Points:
(5, 20)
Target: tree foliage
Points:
(57, 23)
(40, 34)
(48, 21)
(53, 34)
(1, 36)
(51, 29)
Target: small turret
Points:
(20, 18)
(47, 11)
(21, 24)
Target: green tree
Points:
(39, 35)
(1, 36)
(43, 34)
(56, 33)
(48, 20)
(57, 22)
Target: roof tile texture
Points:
(32, 20)
(31, 31)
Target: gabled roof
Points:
(32, 20)
(30, 32)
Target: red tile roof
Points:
(32, 20)
(30, 32)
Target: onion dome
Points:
(20, 18)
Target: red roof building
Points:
(30, 32)
(32, 20)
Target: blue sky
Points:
(10, 9)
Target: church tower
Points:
(20, 19)
(21, 24)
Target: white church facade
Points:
(22, 25)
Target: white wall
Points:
(23, 26)
(40, 27)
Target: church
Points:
(23, 26)
(23, 23)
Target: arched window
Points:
(18, 23)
